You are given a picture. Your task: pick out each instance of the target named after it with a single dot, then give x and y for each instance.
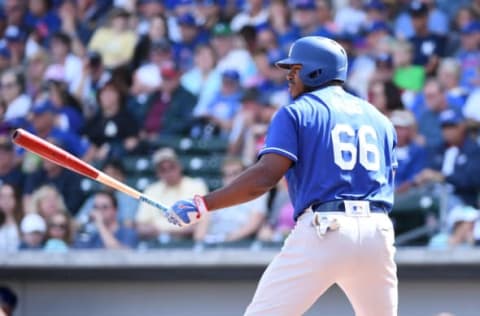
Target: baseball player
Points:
(337, 152)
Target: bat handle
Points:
(161, 207)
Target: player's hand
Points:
(190, 211)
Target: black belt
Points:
(339, 206)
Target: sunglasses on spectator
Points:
(167, 167)
(101, 206)
(8, 85)
(58, 225)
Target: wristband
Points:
(200, 204)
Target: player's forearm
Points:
(254, 182)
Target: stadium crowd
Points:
(109, 80)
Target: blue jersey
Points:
(341, 146)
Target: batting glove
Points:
(190, 211)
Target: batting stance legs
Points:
(357, 255)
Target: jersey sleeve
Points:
(282, 135)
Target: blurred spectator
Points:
(279, 221)
(86, 87)
(406, 75)
(69, 110)
(456, 163)
(16, 39)
(157, 32)
(108, 233)
(471, 109)
(5, 56)
(468, 54)
(147, 79)
(150, 12)
(436, 20)
(65, 181)
(127, 206)
(351, 18)
(411, 156)
(217, 116)
(59, 233)
(61, 50)
(10, 215)
(172, 109)
(460, 229)
(42, 20)
(192, 35)
(429, 113)
(10, 169)
(12, 83)
(203, 80)
(8, 301)
(46, 201)
(249, 127)
(463, 17)
(230, 52)
(33, 231)
(115, 42)
(112, 130)
(36, 66)
(385, 96)
(171, 185)
(306, 20)
(44, 118)
(73, 25)
(254, 14)
(239, 222)
(208, 12)
(448, 75)
(15, 11)
(280, 22)
(428, 46)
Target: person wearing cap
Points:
(306, 20)
(171, 109)
(42, 19)
(43, 117)
(16, 43)
(428, 47)
(115, 42)
(249, 126)
(437, 19)
(411, 155)
(33, 229)
(460, 230)
(18, 103)
(217, 116)
(171, 184)
(229, 54)
(193, 35)
(456, 163)
(10, 168)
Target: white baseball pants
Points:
(359, 257)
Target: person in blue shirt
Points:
(104, 230)
(337, 153)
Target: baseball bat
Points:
(65, 159)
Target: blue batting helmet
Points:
(322, 60)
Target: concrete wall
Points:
(214, 283)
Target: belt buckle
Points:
(357, 208)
